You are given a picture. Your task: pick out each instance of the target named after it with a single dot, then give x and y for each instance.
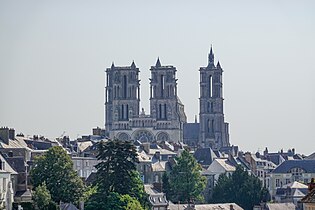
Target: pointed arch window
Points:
(160, 111)
(165, 111)
(125, 86)
(210, 86)
(162, 85)
(212, 126)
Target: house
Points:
(157, 199)
(220, 166)
(309, 200)
(290, 171)
(217, 206)
(280, 206)
(8, 178)
(259, 166)
(154, 161)
(84, 166)
(291, 193)
(217, 167)
(205, 156)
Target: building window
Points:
(277, 183)
(125, 87)
(210, 86)
(297, 174)
(162, 85)
(165, 111)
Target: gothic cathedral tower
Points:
(122, 96)
(214, 132)
(165, 105)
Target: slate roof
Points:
(280, 206)
(17, 163)
(7, 166)
(240, 161)
(229, 149)
(217, 206)
(156, 198)
(307, 165)
(91, 179)
(295, 184)
(311, 156)
(191, 131)
(18, 142)
(275, 158)
(23, 193)
(204, 156)
(37, 144)
(309, 198)
(143, 157)
(226, 164)
(67, 206)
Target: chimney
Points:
(311, 185)
(11, 133)
(146, 147)
(248, 157)
(266, 152)
(4, 135)
(158, 155)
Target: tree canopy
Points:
(185, 179)
(112, 201)
(117, 179)
(115, 171)
(42, 198)
(55, 169)
(241, 188)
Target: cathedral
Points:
(167, 119)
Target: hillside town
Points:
(160, 138)
(286, 174)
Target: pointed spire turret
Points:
(133, 65)
(211, 56)
(158, 63)
(218, 65)
(113, 65)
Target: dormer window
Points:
(297, 173)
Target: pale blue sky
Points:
(53, 55)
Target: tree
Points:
(241, 188)
(55, 169)
(116, 173)
(42, 198)
(186, 180)
(113, 200)
(166, 185)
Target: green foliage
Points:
(55, 168)
(88, 192)
(118, 161)
(240, 187)
(24, 205)
(116, 174)
(185, 180)
(42, 199)
(112, 201)
(166, 185)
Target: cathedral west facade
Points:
(167, 119)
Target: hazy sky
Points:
(53, 55)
